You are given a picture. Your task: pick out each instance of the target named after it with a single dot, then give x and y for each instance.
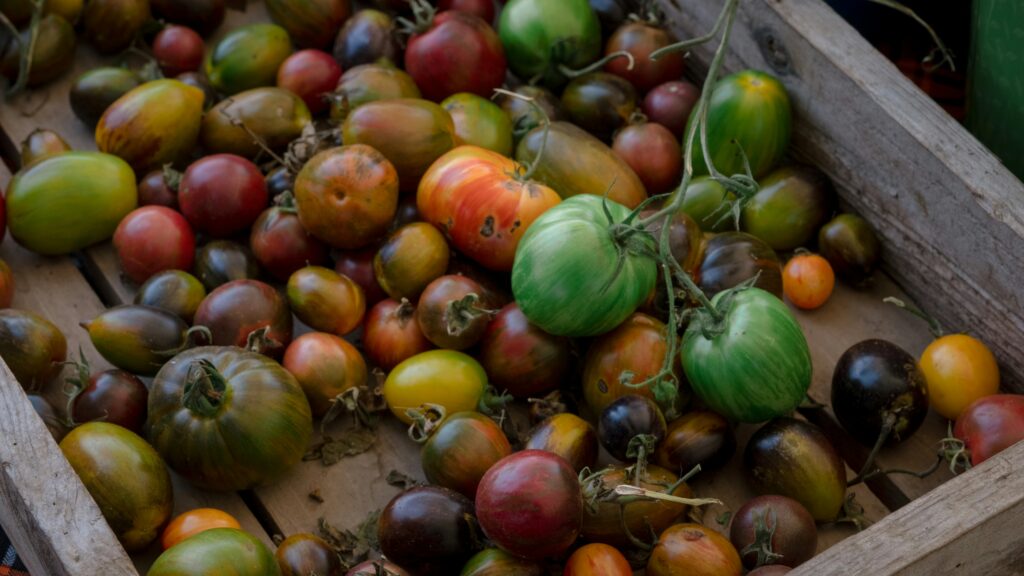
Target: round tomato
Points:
(392, 335)
(247, 57)
(670, 104)
(153, 239)
(625, 419)
(311, 75)
(851, 246)
(113, 396)
(368, 36)
(462, 450)
(775, 530)
(606, 521)
(237, 312)
(32, 347)
(600, 103)
(568, 436)
(310, 23)
(178, 49)
(369, 83)
(112, 25)
(223, 261)
(428, 527)
(597, 560)
(959, 369)
(701, 550)
(792, 204)
(325, 300)
(540, 37)
(222, 195)
(306, 554)
(188, 524)
(412, 258)
(497, 562)
(446, 378)
(653, 153)
(94, 91)
(732, 258)
(641, 39)
(218, 550)
(281, 244)
(175, 291)
(707, 202)
(480, 122)
(154, 190)
(453, 312)
(454, 52)
(522, 359)
(139, 339)
(990, 425)
(808, 280)
(325, 367)
(358, 265)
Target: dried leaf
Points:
(351, 442)
(400, 480)
(352, 547)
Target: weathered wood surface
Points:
(950, 215)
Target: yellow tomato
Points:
(959, 370)
(444, 377)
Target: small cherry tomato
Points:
(178, 49)
(325, 366)
(195, 521)
(522, 359)
(701, 550)
(411, 258)
(653, 152)
(444, 377)
(991, 425)
(959, 370)
(775, 524)
(597, 560)
(155, 191)
(670, 105)
(222, 261)
(325, 300)
(567, 435)
(222, 195)
(153, 239)
(281, 245)
(392, 335)
(808, 280)
(462, 450)
(247, 314)
(113, 396)
(626, 418)
(310, 75)
(358, 265)
(173, 290)
(306, 554)
(453, 312)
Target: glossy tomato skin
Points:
(410, 259)
(137, 338)
(113, 396)
(453, 312)
(732, 258)
(193, 522)
(126, 478)
(600, 103)
(263, 421)
(532, 31)
(427, 527)
(32, 347)
(154, 191)
(991, 425)
(325, 366)
(807, 281)
(604, 523)
(223, 261)
(522, 113)
(597, 560)
(497, 562)
(459, 52)
(698, 437)
(247, 57)
(462, 450)
(392, 335)
(653, 153)
(793, 203)
(793, 534)
(94, 91)
(480, 122)
(54, 51)
(358, 265)
(153, 239)
(222, 195)
(641, 39)
(219, 549)
(325, 300)
(302, 554)
(568, 436)
(637, 345)
(707, 202)
(521, 358)
(530, 504)
(369, 83)
(42, 143)
(851, 246)
(444, 377)
(367, 37)
(310, 23)
(693, 550)
(112, 25)
(959, 369)
(347, 196)
(626, 418)
(611, 13)
(203, 16)
(236, 310)
(178, 49)
(281, 245)
(276, 115)
(6, 283)
(312, 75)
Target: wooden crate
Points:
(952, 220)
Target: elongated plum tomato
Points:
(701, 550)
(137, 338)
(113, 396)
(275, 115)
(700, 437)
(653, 153)
(428, 527)
(94, 91)
(748, 359)
(572, 277)
(153, 239)
(178, 49)
(444, 377)
(640, 39)
(597, 559)
(600, 103)
(237, 312)
(808, 280)
(990, 425)
(453, 312)
(227, 550)
(412, 258)
(462, 450)
(303, 554)
(247, 57)
(281, 245)
(310, 23)
(174, 291)
(188, 524)
(325, 366)
(367, 83)
(312, 75)
(222, 195)
(325, 300)
(959, 370)
(636, 346)
(522, 359)
(793, 203)
(392, 335)
(454, 52)
(480, 122)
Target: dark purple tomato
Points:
(203, 16)
(222, 195)
(461, 450)
(358, 265)
(311, 75)
(700, 437)
(427, 528)
(773, 530)
(379, 567)
(456, 52)
(392, 335)
(153, 239)
(453, 312)
(176, 291)
(625, 419)
(49, 416)
(282, 246)
(522, 359)
(113, 396)
(600, 103)
(732, 258)
(279, 180)
(851, 246)
(670, 105)
(406, 213)
(653, 152)
(530, 504)
(367, 37)
(568, 436)
(524, 115)
(641, 39)
(483, 9)
(154, 191)
(305, 554)
(240, 310)
(178, 49)
(222, 261)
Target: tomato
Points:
(392, 335)
(732, 258)
(453, 312)
(699, 437)
(540, 36)
(781, 526)
(312, 75)
(878, 389)
(480, 122)
(575, 162)
(597, 560)
(792, 204)
(462, 450)
(626, 418)
(640, 39)
(94, 91)
(378, 567)
(522, 359)
(197, 80)
(959, 369)
(68, 202)
(303, 554)
(524, 114)
(707, 202)
(807, 281)
(223, 261)
(224, 550)
(153, 239)
(279, 180)
(636, 346)
(411, 258)
(990, 425)
(600, 103)
(653, 153)
(310, 23)
(154, 190)
(611, 13)
(325, 366)
(850, 245)
(281, 244)
(239, 310)
(571, 277)
(113, 396)
(347, 196)
(52, 56)
(497, 562)
(112, 25)
(6, 280)
(369, 83)
(792, 458)
(277, 116)
(126, 478)
(139, 339)
(427, 527)
(478, 199)
(409, 132)
(243, 422)
(749, 110)
(368, 36)
(188, 524)
(173, 290)
(203, 16)
(568, 436)
(359, 267)
(247, 57)
(454, 52)
(222, 195)
(685, 240)
(530, 504)
(670, 104)
(325, 300)
(32, 347)
(178, 49)
(54, 423)
(750, 362)
(693, 550)
(446, 378)
(152, 125)
(42, 143)
(604, 523)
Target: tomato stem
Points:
(933, 325)
(888, 424)
(531, 168)
(425, 420)
(75, 385)
(422, 18)
(765, 525)
(205, 388)
(628, 490)
(576, 73)
(27, 50)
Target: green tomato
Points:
(752, 109)
(793, 203)
(541, 35)
(703, 201)
(754, 364)
(71, 201)
(217, 551)
(571, 277)
(248, 57)
(480, 122)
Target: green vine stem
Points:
(940, 46)
(888, 424)
(933, 325)
(524, 172)
(27, 50)
(76, 384)
(571, 73)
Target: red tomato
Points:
(236, 310)
(154, 191)
(113, 396)
(178, 49)
(597, 560)
(808, 280)
(392, 335)
(475, 197)
(358, 265)
(641, 39)
(455, 52)
(311, 75)
(521, 358)
(453, 312)
(653, 153)
(282, 246)
(670, 105)
(152, 239)
(222, 195)
(193, 522)
(991, 425)
(483, 9)
(325, 366)
(6, 285)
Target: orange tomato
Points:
(693, 550)
(597, 560)
(808, 280)
(959, 369)
(193, 522)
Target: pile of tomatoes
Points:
(482, 202)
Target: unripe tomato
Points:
(808, 280)
(959, 369)
(193, 522)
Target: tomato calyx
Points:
(204, 390)
(76, 384)
(286, 202)
(259, 341)
(425, 421)
(460, 314)
(405, 312)
(422, 18)
(172, 177)
(765, 524)
(933, 325)
(543, 408)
